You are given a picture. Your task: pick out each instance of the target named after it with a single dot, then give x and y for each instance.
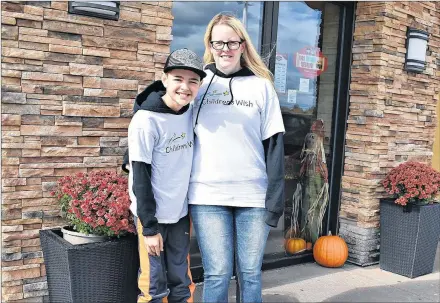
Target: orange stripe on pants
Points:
(144, 260)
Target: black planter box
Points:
(94, 272)
(408, 239)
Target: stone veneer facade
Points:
(68, 86)
(392, 114)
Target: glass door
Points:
(307, 47)
(305, 72)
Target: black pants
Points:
(167, 274)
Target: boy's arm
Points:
(146, 204)
(274, 156)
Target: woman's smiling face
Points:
(226, 60)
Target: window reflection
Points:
(298, 27)
(192, 18)
(304, 81)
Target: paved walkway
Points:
(312, 283)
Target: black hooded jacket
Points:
(151, 100)
(273, 152)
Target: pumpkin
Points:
(309, 246)
(330, 251)
(294, 245)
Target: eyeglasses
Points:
(232, 45)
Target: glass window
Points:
(192, 18)
(305, 73)
(306, 53)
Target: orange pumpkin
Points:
(330, 251)
(309, 246)
(295, 245)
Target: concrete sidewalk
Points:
(312, 283)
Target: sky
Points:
(298, 24)
(191, 19)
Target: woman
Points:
(237, 180)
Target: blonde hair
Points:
(250, 59)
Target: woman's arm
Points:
(274, 157)
(126, 162)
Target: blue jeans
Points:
(216, 227)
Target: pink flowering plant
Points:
(412, 183)
(96, 203)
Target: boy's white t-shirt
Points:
(229, 163)
(166, 142)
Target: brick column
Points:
(68, 86)
(392, 113)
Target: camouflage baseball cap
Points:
(184, 59)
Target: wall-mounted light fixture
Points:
(101, 9)
(416, 45)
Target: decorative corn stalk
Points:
(314, 179)
(296, 204)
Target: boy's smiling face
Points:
(182, 86)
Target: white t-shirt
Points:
(166, 142)
(229, 166)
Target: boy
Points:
(160, 151)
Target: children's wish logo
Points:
(176, 137)
(175, 143)
(217, 97)
(216, 93)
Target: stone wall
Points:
(68, 85)
(392, 113)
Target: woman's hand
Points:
(154, 244)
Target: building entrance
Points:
(307, 47)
